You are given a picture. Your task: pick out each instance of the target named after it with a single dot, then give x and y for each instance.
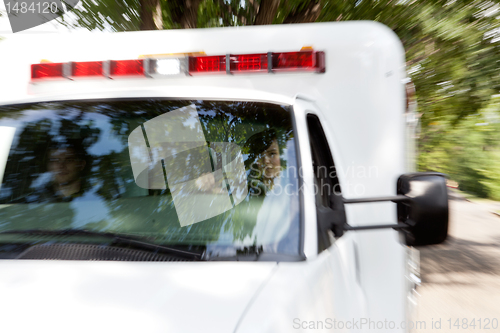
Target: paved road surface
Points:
(461, 278)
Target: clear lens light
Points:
(168, 66)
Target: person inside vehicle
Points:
(263, 161)
(66, 164)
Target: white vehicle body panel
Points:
(62, 296)
(326, 288)
(360, 102)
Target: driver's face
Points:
(65, 165)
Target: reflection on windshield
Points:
(171, 151)
(202, 173)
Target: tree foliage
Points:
(468, 152)
(451, 50)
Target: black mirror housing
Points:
(426, 212)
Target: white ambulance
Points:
(246, 179)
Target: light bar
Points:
(47, 70)
(302, 61)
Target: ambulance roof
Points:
(347, 46)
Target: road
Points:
(461, 278)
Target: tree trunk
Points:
(150, 15)
(189, 19)
(267, 12)
(306, 15)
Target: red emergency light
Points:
(248, 62)
(91, 68)
(126, 67)
(207, 64)
(302, 61)
(47, 70)
(307, 60)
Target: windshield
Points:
(211, 176)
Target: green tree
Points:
(468, 151)
(131, 15)
(449, 49)
(451, 52)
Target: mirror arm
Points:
(378, 226)
(395, 198)
(335, 219)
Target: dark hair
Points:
(78, 149)
(257, 144)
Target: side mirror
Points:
(426, 211)
(422, 208)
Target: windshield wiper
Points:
(251, 253)
(116, 238)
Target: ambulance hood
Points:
(72, 296)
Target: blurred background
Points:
(452, 54)
(453, 59)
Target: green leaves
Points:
(452, 57)
(454, 64)
(468, 152)
(111, 15)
